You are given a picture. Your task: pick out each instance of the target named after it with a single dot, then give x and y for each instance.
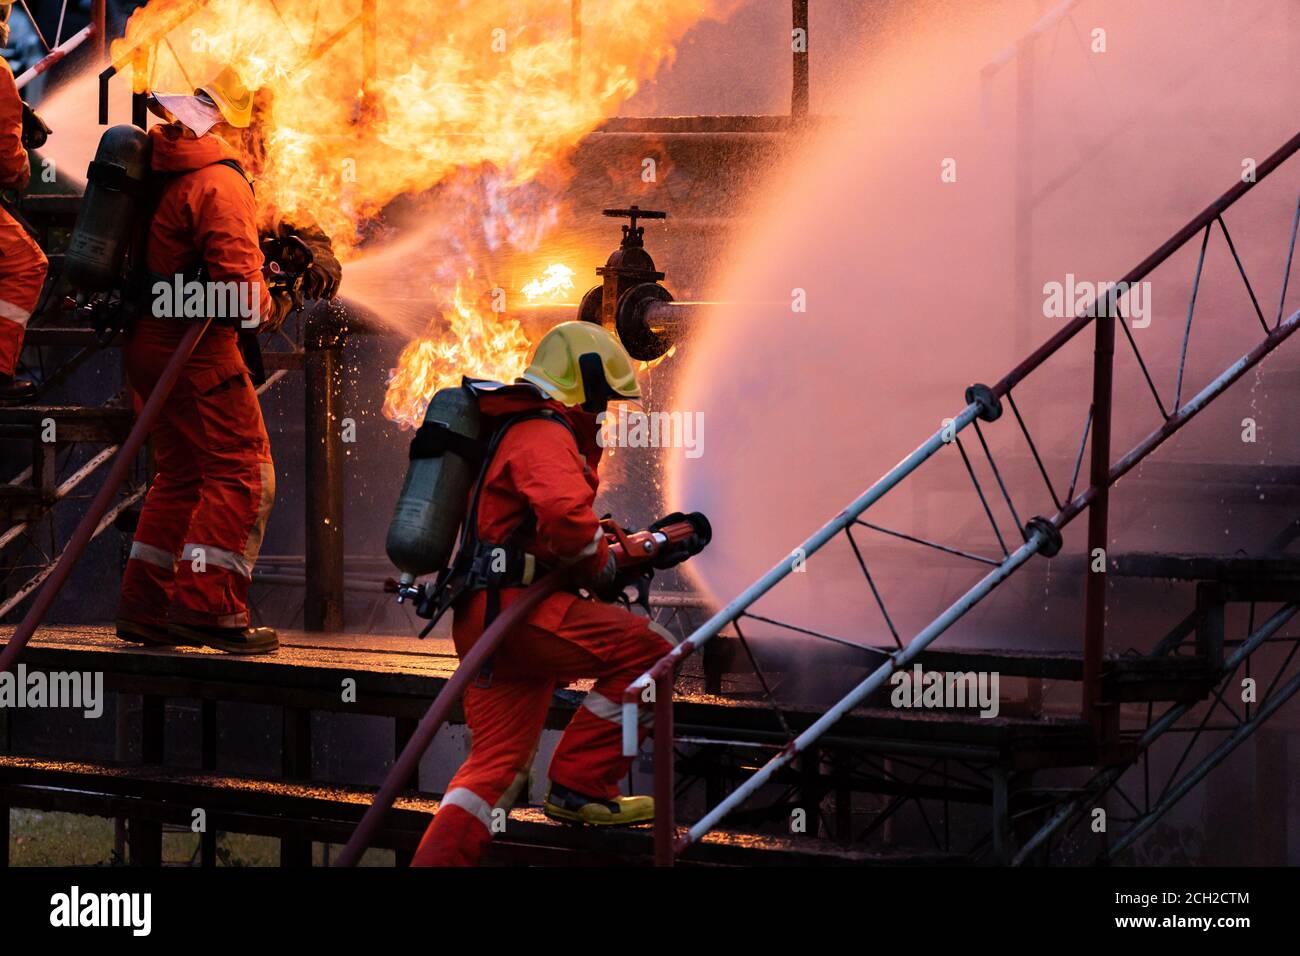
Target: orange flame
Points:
(468, 343)
(361, 114)
(472, 109)
(555, 281)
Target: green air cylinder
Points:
(435, 496)
(114, 199)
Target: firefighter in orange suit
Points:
(191, 561)
(543, 479)
(22, 264)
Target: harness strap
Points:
(472, 567)
(249, 346)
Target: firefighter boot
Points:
(569, 806)
(233, 640)
(16, 391)
(153, 635)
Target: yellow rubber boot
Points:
(568, 806)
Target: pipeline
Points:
(408, 761)
(104, 497)
(54, 56)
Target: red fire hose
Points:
(432, 721)
(104, 497)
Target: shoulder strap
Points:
(234, 164)
(469, 534)
(157, 184)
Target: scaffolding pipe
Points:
(63, 490)
(88, 527)
(897, 660)
(1216, 757)
(955, 611)
(408, 762)
(668, 663)
(1108, 777)
(35, 580)
(1207, 216)
(54, 56)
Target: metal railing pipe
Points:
(1138, 272)
(734, 608)
(897, 660)
(1212, 760)
(54, 56)
(104, 497)
(408, 762)
(1108, 777)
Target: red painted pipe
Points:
(408, 761)
(665, 816)
(1139, 272)
(54, 56)
(104, 497)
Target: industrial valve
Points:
(625, 300)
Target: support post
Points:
(208, 756)
(146, 835)
(99, 20)
(295, 762)
(1094, 633)
(575, 54)
(323, 610)
(403, 731)
(665, 818)
(1210, 603)
(799, 62)
(1022, 238)
(1001, 817)
(810, 780)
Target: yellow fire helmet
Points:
(581, 363)
(234, 99)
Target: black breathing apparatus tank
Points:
(115, 197)
(434, 499)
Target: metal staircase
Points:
(1105, 685)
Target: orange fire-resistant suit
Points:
(538, 468)
(22, 264)
(206, 510)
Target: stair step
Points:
(54, 335)
(72, 423)
(21, 503)
(52, 208)
(329, 812)
(1151, 679)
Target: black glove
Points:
(35, 130)
(283, 301)
(324, 274)
(638, 577)
(672, 555)
(321, 281)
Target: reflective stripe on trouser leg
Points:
(11, 343)
(22, 274)
(212, 581)
(589, 758)
(147, 584)
(505, 722)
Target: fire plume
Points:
(467, 343)
(360, 110)
(465, 111)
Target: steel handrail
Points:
(117, 473)
(660, 675)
